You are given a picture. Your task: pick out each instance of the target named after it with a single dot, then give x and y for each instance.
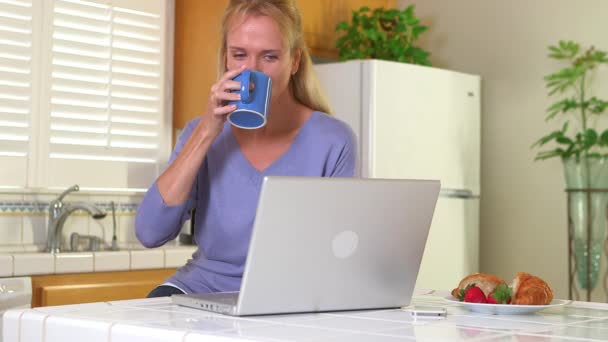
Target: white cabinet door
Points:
(341, 82)
(424, 124)
(452, 248)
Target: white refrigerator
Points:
(419, 122)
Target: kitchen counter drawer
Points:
(61, 289)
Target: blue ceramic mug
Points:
(252, 110)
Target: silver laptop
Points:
(329, 244)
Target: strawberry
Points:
(475, 295)
(500, 295)
(472, 294)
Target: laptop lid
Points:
(325, 244)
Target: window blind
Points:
(16, 89)
(105, 93)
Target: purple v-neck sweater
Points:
(225, 195)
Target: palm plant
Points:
(574, 84)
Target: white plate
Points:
(506, 309)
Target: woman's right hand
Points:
(175, 184)
(218, 107)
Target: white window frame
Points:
(39, 136)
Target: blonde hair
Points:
(304, 83)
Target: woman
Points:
(217, 168)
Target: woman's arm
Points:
(167, 203)
(175, 183)
(158, 221)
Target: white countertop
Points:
(157, 319)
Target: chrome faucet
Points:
(59, 212)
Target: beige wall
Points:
(523, 205)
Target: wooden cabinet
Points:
(62, 289)
(320, 17)
(197, 36)
(197, 33)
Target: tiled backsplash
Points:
(32, 208)
(23, 219)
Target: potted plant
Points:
(583, 149)
(387, 34)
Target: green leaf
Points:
(409, 11)
(554, 49)
(569, 150)
(418, 55)
(371, 34)
(549, 154)
(416, 31)
(390, 13)
(382, 36)
(502, 294)
(556, 107)
(599, 55)
(413, 21)
(597, 106)
(569, 48)
(564, 140)
(556, 53)
(542, 141)
(590, 138)
(342, 26)
(604, 139)
(562, 106)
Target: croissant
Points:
(530, 290)
(486, 282)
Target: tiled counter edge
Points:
(157, 319)
(24, 264)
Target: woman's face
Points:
(256, 42)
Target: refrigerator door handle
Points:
(457, 193)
